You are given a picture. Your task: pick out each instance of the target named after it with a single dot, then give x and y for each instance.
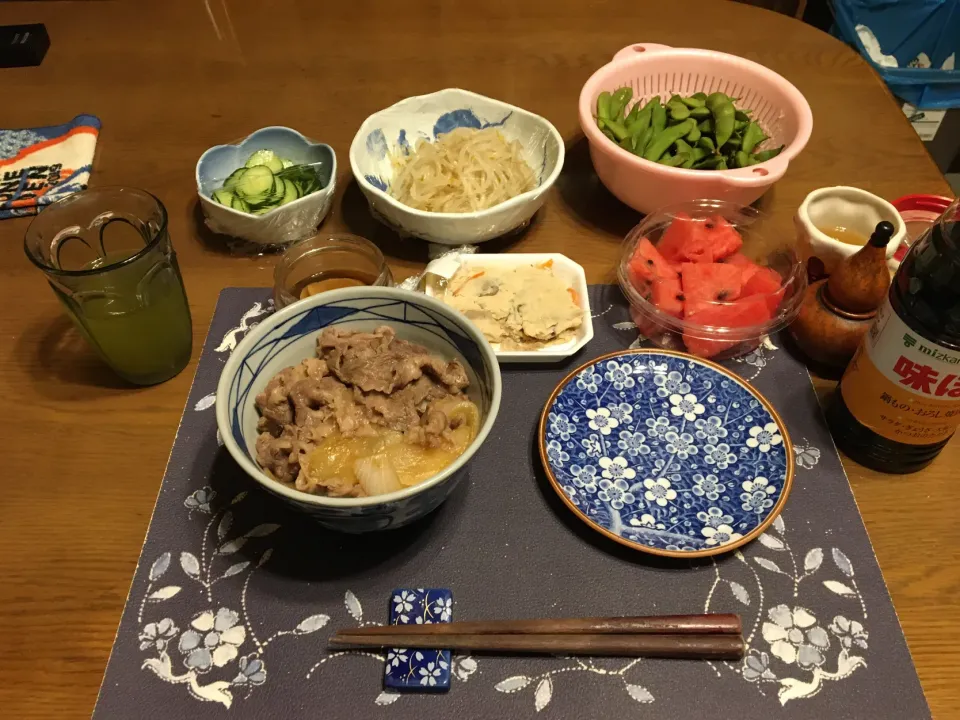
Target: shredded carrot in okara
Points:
(472, 277)
(574, 296)
(546, 265)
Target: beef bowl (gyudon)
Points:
(361, 406)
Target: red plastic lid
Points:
(919, 212)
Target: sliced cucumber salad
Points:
(266, 182)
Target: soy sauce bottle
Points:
(898, 403)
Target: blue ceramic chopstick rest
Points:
(419, 670)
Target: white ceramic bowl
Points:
(286, 223)
(848, 207)
(563, 267)
(427, 116)
(289, 336)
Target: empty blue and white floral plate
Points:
(666, 453)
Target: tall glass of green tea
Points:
(107, 255)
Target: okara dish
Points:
(522, 308)
(371, 414)
(514, 335)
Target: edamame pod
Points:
(706, 126)
(617, 129)
(637, 127)
(723, 117)
(752, 137)
(743, 115)
(674, 160)
(693, 137)
(682, 146)
(708, 163)
(707, 144)
(658, 115)
(618, 101)
(695, 156)
(663, 140)
(700, 112)
(678, 111)
(722, 165)
(743, 159)
(693, 101)
(765, 155)
(642, 140)
(603, 106)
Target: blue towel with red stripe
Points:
(39, 166)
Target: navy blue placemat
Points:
(235, 595)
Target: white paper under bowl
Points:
(564, 268)
(426, 117)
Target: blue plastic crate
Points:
(904, 29)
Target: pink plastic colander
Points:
(650, 69)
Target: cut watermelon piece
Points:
(744, 313)
(747, 266)
(705, 283)
(702, 240)
(648, 264)
(766, 283)
(678, 234)
(667, 294)
(723, 238)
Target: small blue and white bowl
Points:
(284, 224)
(400, 126)
(666, 453)
(289, 336)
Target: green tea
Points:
(138, 322)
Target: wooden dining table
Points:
(85, 453)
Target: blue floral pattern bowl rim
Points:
(706, 552)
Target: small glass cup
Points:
(107, 255)
(327, 261)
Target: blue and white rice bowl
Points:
(666, 453)
(290, 335)
(400, 126)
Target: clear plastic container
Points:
(328, 261)
(761, 244)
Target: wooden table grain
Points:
(84, 455)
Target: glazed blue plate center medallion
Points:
(666, 453)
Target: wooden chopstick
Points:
(715, 624)
(698, 647)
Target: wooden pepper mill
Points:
(837, 311)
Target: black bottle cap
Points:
(882, 234)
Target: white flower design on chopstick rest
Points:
(687, 406)
(764, 438)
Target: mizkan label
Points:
(901, 385)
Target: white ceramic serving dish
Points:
(284, 224)
(848, 207)
(563, 267)
(427, 116)
(289, 336)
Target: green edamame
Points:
(678, 111)
(663, 140)
(642, 141)
(701, 131)
(658, 116)
(603, 106)
(677, 160)
(765, 155)
(617, 129)
(752, 137)
(707, 144)
(618, 101)
(724, 116)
